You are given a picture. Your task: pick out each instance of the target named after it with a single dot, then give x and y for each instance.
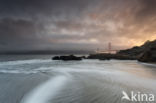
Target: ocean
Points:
(38, 79)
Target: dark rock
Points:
(83, 57)
(138, 50)
(56, 58)
(148, 56)
(106, 56)
(67, 58)
(143, 53)
(135, 51)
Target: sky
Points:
(75, 24)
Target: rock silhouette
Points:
(149, 55)
(107, 56)
(68, 58)
(143, 53)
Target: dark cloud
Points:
(15, 33)
(148, 8)
(36, 8)
(75, 24)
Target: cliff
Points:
(144, 53)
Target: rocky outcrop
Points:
(67, 58)
(148, 56)
(56, 58)
(144, 53)
(138, 50)
(135, 51)
(105, 56)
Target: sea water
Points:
(38, 79)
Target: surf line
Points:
(45, 92)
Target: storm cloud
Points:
(75, 24)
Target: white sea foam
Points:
(45, 92)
